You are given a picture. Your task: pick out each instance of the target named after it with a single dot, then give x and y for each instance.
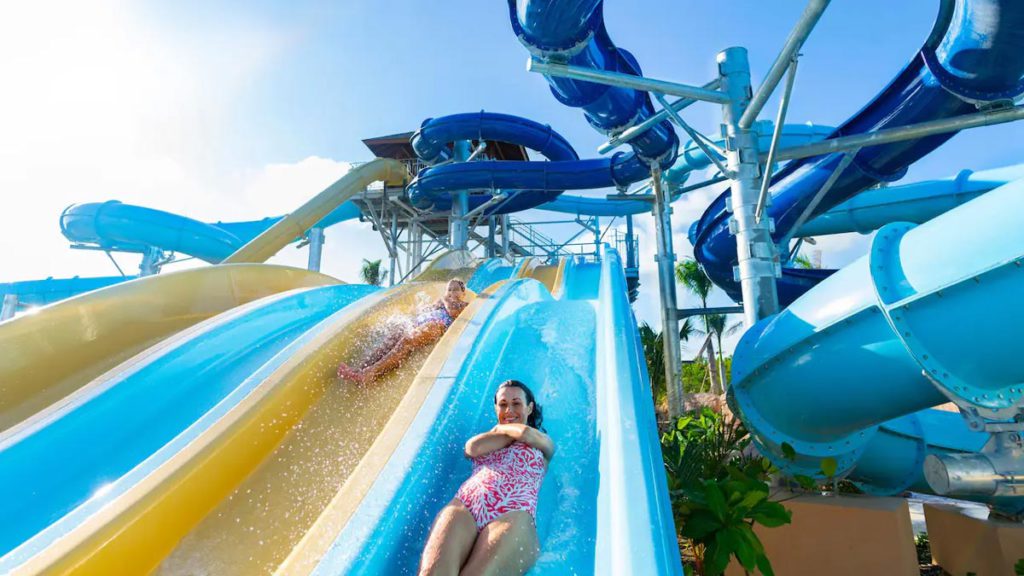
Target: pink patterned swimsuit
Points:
(503, 481)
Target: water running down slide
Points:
(280, 408)
(603, 506)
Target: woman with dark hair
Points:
(489, 527)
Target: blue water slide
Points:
(529, 184)
(603, 506)
(928, 316)
(974, 57)
(917, 202)
(573, 32)
(525, 184)
(66, 463)
(124, 227)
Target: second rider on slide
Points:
(427, 328)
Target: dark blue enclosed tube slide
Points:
(974, 58)
(570, 32)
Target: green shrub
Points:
(719, 493)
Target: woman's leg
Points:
(420, 337)
(450, 542)
(387, 344)
(508, 545)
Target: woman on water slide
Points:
(427, 328)
(489, 527)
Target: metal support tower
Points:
(757, 254)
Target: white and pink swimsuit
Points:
(503, 481)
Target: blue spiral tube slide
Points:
(974, 57)
(930, 315)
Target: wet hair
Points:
(459, 281)
(536, 418)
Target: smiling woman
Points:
(489, 527)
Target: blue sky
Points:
(234, 110)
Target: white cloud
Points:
(99, 104)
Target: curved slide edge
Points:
(49, 354)
(165, 497)
(73, 458)
(974, 56)
(921, 302)
(635, 529)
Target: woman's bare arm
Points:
(484, 444)
(529, 435)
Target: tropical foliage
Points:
(371, 272)
(719, 492)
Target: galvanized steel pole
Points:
(666, 259)
(757, 254)
(812, 13)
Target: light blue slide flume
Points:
(68, 461)
(603, 506)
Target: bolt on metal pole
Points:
(757, 253)
(459, 223)
(666, 260)
(316, 247)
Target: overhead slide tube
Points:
(916, 317)
(540, 184)
(526, 184)
(573, 32)
(975, 56)
(917, 202)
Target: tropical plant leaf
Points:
(788, 452)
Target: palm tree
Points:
(717, 326)
(654, 353)
(690, 274)
(371, 272)
(802, 261)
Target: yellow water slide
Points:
(50, 354)
(246, 491)
(53, 352)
